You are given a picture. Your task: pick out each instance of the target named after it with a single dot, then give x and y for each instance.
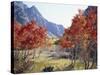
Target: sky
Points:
(57, 13)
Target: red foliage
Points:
(28, 36)
(81, 25)
(66, 43)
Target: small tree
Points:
(26, 37)
(81, 32)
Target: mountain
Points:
(88, 9)
(23, 14)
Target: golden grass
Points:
(41, 63)
(58, 64)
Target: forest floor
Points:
(58, 64)
(48, 58)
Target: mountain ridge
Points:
(24, 14)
